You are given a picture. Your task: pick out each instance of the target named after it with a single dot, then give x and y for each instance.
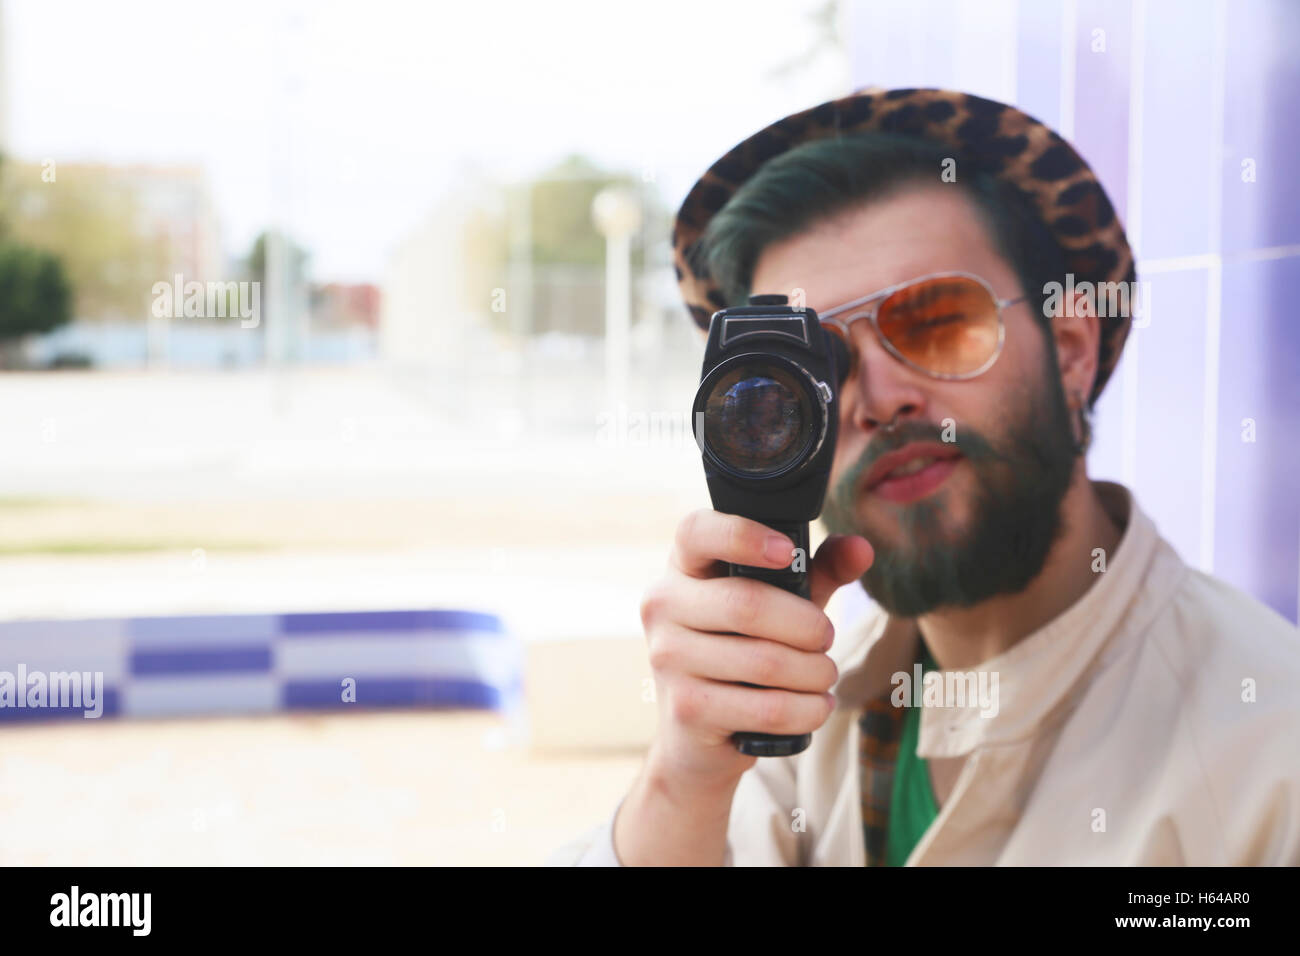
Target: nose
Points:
(880, 389)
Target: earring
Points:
(1082, 444)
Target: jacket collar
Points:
(1045, 669)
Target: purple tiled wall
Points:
(1167, 99)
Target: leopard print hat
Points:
(987, 135)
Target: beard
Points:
(1021, 478)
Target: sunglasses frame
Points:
(845, 325)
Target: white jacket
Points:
(1155, 722)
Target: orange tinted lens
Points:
(947, 325)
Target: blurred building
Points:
(116, 226)
(523, 260)
(175, 208)
(427, 316)
(335, 305)
(118, 229)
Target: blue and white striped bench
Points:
(262, 663)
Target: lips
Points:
(912, 471)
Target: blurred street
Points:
(153, 494)
(410, 789)
(349, 494)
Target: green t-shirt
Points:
(911, 805)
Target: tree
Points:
(296, 259)
(562, 230)
(547, 221)
(90, 219)
(287, 291)
(35, 295)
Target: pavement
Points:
(402, 788)
(330, 489)
(353, 488)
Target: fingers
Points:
(706, 537)
(710, 635)
(731, 658)
(742, 606)
(840, 560)
(724, 709)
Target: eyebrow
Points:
(916, 273)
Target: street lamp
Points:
(617, 214)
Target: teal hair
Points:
(820, 179)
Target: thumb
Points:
(841, 558)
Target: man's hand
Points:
(707, 632)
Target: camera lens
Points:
(758, 419)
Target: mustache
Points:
(966, 440)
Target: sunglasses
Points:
(947, 324)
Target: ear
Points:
(1076, 334)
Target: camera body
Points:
(766, 418)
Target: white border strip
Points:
(1133, 229)
(1209, 260)
(1214, 291)
(1069, 16)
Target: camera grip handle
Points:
(796, 582)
